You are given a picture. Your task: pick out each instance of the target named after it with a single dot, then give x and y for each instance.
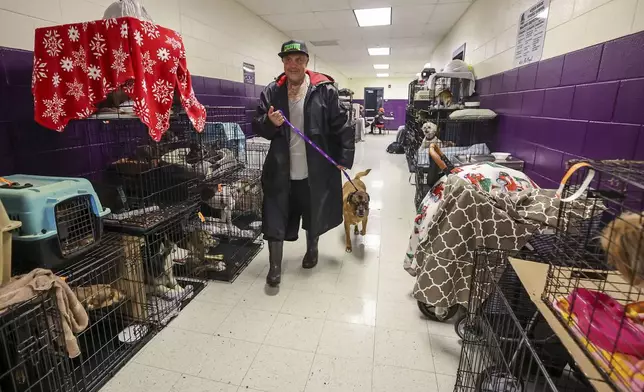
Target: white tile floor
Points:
(349, 325)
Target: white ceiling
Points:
(417, 27)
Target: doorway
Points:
(374, 98)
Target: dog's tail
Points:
(362, 174)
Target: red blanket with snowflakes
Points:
(77, 65)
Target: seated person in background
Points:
(378, 120)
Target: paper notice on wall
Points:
(249, 73)
(531, 33)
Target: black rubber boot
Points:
(275, 250)
(311, 257)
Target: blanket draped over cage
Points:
(466, 218)
(77, 65)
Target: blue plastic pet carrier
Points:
(61, 219)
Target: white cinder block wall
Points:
(489, 27)
(398, 90)
(219, 35)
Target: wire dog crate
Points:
(462, 141)
(594, 283)
(32, 357)
(231, 212)
(108, 283)
(507, 344)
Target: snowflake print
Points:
(98, 45)
(119, 60)
(66, 64)
(184, 82)
(163, 121)
(190, 101)
(53, 43)
(107, 86)
(75, 89)
(138, 37)
(128, 87)
(176, 44)
(162, 91)
(80, 59)
(144, 86)
(148, 63)
(175, 65)
(124, 30)
(182, 54)
(199, 122)
(150, 29)
(39, 71)
(85, 24)
(73, 34)
(141, 110)
(90, 94)
(84, 113)
(54, 108)
(110, 22)
(163, 54)
(94, 72)
(55, 80)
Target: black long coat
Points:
(326, 123)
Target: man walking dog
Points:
(299, 182)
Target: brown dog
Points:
(355, 206)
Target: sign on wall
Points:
(531, 33)
(249, 73)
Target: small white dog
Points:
(430, 130)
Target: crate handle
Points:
(584, 185)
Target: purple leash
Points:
(324, 154)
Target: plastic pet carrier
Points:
(61, 219)
(32, 357)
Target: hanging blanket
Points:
(468, 216)
(77, 65)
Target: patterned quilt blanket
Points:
(500, 209)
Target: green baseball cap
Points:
(293, 46)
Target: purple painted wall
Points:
(587, 103)
(395, 106)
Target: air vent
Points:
(325, 43)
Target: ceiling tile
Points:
(448, 13)
(327, 5)
(336, 19)
(412, 15)
(289, 22)
(270, 7)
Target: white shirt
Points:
(297, 145)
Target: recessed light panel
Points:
(382, 75)
(381, 66)
(378, 51)
(373, 17)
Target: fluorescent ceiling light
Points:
(378, 51)
(383, 75)
(373, 17)
(381, 66)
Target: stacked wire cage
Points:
(230, 194)
(110, 285)
(32, 351)
(507, 343)
(146, 266)
(462, 141)
(594, 282)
